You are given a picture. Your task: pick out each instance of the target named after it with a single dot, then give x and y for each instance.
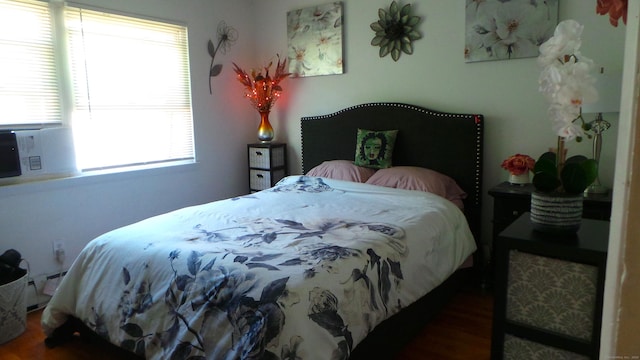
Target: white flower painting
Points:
(315, 40)
(507, 29)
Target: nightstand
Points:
(267, 164)
(548, 291)
(511, 201)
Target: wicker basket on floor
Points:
(13, 309)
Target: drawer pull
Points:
(260, 176)
(259, 153)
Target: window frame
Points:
(64, 78)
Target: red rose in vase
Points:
(518, 164)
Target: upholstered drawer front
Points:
(516, 348)
(266, 158)
(264, 179)
(551, 294)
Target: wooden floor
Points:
(461, 331)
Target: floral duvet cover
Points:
(304, 270)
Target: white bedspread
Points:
(304, 269)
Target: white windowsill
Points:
(22, 185)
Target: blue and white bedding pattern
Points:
(304, 270)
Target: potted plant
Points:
(566, 82)
(573, 178)
(556, 203)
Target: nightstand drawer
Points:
(264, 179)
(510, 201)
(266, 158)
(509, 209)
(267, 164)
(549, 289)
(516, 348)
(552, 294)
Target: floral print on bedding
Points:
(303, 270)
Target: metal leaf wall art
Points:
(227, 36)
(395, 31)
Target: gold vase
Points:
(265, 131)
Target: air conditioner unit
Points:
(9, 159)
(46, 152)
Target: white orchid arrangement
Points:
(566, 81)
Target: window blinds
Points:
(130, 80)
(29, 95)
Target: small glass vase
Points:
(520, 179)
(265, 131)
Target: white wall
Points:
(436, 76)
(76, 210)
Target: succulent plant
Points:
(575, 175)
(395, 31)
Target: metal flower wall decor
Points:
(395, 31)
(227, 36)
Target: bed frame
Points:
(446, 142)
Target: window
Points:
(131, 89)
(125, 80)
(29, 94)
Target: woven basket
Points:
(13, 309)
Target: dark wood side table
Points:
(549, 291)
(267, 164)
(511, 201)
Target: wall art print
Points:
(315, 40)
(507, 29)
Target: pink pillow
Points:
(417, 178)
(342, 170)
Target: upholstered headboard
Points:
(445, 142)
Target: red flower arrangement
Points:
(615, 9)
(518, 164)
(263, 90)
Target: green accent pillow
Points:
(374, 149)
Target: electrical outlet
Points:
(58, 251)
(58, 245)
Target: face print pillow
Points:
(374, 149)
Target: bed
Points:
(312, 268)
